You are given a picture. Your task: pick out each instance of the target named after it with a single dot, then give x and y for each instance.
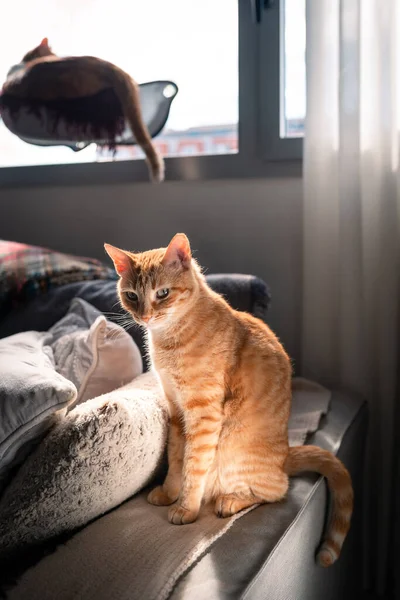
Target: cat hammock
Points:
(78, 122)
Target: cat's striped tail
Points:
(313, 458)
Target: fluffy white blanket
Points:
(97, 456)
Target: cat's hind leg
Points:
(271, 488)
(249, 480)
(227, 505)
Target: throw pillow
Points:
(29, 271)
(97, 355)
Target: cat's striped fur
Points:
(228, 382)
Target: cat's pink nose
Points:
(146, 319)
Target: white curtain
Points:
(351, 299)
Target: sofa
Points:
(267, 554)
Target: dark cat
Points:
(83, 76)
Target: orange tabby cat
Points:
(84, 76)
(228, 382)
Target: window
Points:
(173, 40)
(241, 100)
(293, 68)
(282, 78)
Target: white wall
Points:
(248, 226)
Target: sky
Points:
(191, 42)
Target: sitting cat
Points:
(227, 379)
(43, 74)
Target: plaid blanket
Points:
(26, 271)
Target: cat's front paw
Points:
(178, 515)
(159, 497)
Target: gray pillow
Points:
(32, 395)
(98, 356)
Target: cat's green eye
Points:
(162, 293)
(131, 296)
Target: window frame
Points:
(261, 151)
(272, 87)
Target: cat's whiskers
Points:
(114, 334)
(124, 321)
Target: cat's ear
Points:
(119, 257)
(178, 251)
(45, 43)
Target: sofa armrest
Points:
(243, 292)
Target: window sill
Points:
(200, 168)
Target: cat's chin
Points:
(156, 324)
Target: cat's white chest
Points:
(161, 364)
(157, 358)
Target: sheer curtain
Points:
(352, 230)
